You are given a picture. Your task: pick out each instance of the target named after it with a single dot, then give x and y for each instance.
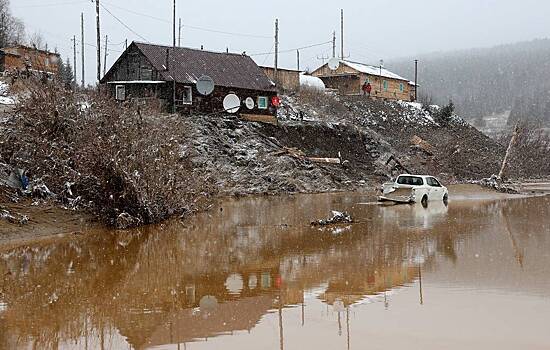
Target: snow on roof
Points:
(372, 70)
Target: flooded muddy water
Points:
(253, 274)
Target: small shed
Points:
(287, 79)
(350, 77)
(170, 75)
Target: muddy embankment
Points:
(127, 168)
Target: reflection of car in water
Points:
(414, 189)
(415, 216)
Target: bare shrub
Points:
(117, 159)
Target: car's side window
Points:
(433, 182)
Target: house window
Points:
(262, 102)
(401, 87)
(385, 85)
(187, 97)
(120, 92)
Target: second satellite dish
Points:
(205, 85)
(231, 103)
(333, 63)
(250, 103)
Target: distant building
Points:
(170, 75)
(287, 79)
(350, 77)
(28, 59)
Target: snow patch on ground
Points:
(5, 98)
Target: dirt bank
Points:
(133, 167)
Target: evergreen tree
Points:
(66, 74)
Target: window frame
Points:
(412, 178)
(402, 87)
(187, 91)
(433, 182)
(263, 98)
(386, 85)
(117, 95)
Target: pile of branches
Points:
(89, 151)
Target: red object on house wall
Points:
(276, 101)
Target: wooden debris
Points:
(268, 119)
(422, 144)
(296, 153)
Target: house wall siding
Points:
(21, 58)
(287, 79)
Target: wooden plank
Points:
(324, 160)
(260, 118)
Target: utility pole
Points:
(105, 60)
(276, 50)
(334, 44)
(381, 66)
(415, 80)
(126, 44)
(174, 24)
(74, 60)
(82, 48)
(298, 59)
(342, 32)
(98, 28)
(179, 33)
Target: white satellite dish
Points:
(231, 103)
(333, 63)
(205, 85)
(250, 104)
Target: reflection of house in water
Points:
(190, 325)
(354, 287)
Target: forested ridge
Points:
(514, 77)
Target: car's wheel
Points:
(424, 201)
(446, 198)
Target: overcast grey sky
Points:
(374, 29)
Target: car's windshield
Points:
(410, 180)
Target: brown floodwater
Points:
(253, 274)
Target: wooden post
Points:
(82, 49)
(179, 33)
(74, 61)
(98, 29)
(342, 32)
(174, 24)
(105, 61)
(334, 44)
(276, 50)
(509, 150)
(415, 80)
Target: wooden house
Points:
(286, 79)
(350, 77)
(28, 59)
(170, 75)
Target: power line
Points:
(124, 24)
(292, 50)
(190, 26)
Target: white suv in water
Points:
(413, 189)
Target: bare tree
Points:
(12, 30)
(37, 40)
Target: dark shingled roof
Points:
(188, 65)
